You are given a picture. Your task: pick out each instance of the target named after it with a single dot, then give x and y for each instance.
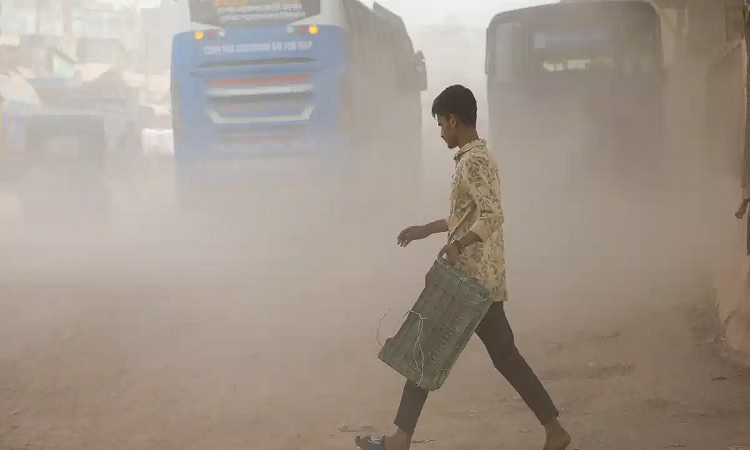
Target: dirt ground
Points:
(265, 338)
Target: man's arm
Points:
(438, 226)
(420, 232)
(484, 187)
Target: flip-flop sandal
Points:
(370, 443)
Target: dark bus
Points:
(579, 85)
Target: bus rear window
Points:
(227, 13)
(504, 60)
(575, 39)
(622, 37)
(557, 50)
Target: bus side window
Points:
(387, 51)
(382, 47)
(351, 27)
(367, 54)
(352, 41)
(365, 39)
(402, 65)
(372, 53)
(503, 61)
(354, 34)
(408, 63)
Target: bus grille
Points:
(260, 101)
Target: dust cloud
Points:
(254, 326)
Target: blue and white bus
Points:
(324, 78)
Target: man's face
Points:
(448, 130)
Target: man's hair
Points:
(459, 101)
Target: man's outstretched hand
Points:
(418, 232)
(740, 213)
(413, 233)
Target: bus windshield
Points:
(227, 13)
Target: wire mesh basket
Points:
(438, 328)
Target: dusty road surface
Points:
(265, 338)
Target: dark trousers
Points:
(497, 336)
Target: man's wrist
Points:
(468, 239)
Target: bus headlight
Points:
(310, 29)
(216, 33)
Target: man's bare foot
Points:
(398, 441)
(557, 437)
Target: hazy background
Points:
(256, 329)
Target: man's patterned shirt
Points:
(475, 206)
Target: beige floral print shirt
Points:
(475, 206)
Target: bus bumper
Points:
(248, 175)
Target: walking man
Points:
(475, 245)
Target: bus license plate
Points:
(272, 148)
